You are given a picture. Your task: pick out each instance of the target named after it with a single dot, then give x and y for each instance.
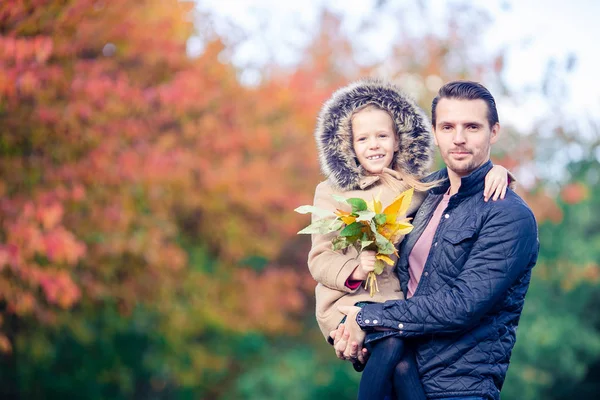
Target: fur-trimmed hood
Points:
(334, 136)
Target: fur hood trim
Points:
(334, 136)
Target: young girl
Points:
(372, 141)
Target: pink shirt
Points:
(419, 253)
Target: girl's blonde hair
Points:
(406, 177)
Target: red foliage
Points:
(574, 193)
(115, 144)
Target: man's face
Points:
(463, 134)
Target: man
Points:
(465, 268)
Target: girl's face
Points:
(373, 139)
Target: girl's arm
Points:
(328, 267)
(496, 182)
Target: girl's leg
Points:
(376, 379)
(407, 382)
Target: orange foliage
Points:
(508, 162)
(574, 193)
(543, 206)
(570, 275)
(115, 144)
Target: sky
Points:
(534, 31)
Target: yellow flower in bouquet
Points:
(367, 226)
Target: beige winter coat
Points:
(331, 269)
(345, 176)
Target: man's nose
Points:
(458, 137)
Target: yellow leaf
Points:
(393, 232)
(348, 220)
(345, 216)
(385, 259)
(340, 213)
(376, 205)
(399, 206)
(403, 228)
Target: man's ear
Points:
(435, 138)
(495, 133)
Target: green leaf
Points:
(321, 226)
(357, 204)
(373, 226)
(384, 246)
(314, 210)
(380, 219)
(336, 225)
(339, 198)
(364, 244)
(365, 236)
(365, 215)
(354, 229)
(379, 266)
(340, 243)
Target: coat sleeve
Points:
(328, 267)
(505, 250)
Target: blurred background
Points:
(152, 153)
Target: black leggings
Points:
(390, 362)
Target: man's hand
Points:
(340, 341)
(353, 336)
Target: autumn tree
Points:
(147, 241)
(135, 178)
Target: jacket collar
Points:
(469, 185)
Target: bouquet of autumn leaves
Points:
(367, 226)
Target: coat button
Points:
(375, 321)
(435, 244)
(367, 321)
(447, 216)
(400, 326)
(426, 274)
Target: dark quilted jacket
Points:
(464, 314)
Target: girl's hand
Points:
(496, 182)
(367, 264)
